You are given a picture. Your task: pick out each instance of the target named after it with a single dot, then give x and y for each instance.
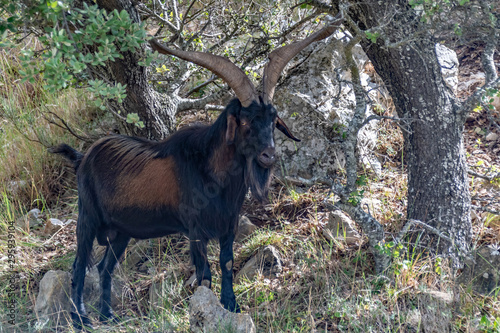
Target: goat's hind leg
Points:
(85, 239)
(114, 251)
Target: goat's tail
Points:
(71, 154)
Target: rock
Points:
(317, 109)
(266, 262)
(52, 226)
(496, 103)
(371, 204)
(435, 309)
(245, 228)
(53, 305)
(30, 220)
(136, 253)
(207, 315)
(34, 213)
(448, 61)
(492, 137)
(482, 274)
(341, 227)
(92, 289)
(15, 186)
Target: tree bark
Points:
(438, 189)
(156, 110)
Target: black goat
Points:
(194, 182)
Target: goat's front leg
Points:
(113, 253)
(200, 260)
(227, 297)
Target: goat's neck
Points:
(223, 160)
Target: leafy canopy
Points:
(71, 40)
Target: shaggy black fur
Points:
(194, 182)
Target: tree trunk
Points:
(438, 189)
(157, 111)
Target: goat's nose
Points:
(267, 157)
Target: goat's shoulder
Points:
(185, 141)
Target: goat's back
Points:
(149, 189)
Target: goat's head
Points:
(251, 123)
(251, 130)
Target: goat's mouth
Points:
(267, 158)
(265, 164)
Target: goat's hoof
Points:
(206, 283)
(231, 306)
(81, 321)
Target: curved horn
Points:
(220, 66)
(281, 56)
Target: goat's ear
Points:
(280, 124)
(231, 129)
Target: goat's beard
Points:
(258, 178)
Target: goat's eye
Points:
(245, 129)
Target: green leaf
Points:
(372, 37)
(124, 15)
(132, 118)
(484, 321)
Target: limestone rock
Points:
(245, 228)
(266, 262)
(207, 315)
(30, 220)
(136, 253)
(340, 227)
(16, 186)
(53, 225)
(53, 304)
(483, 273)
(317, 109)
(492, 136)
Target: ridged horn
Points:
(281, 56)
(220, 66)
